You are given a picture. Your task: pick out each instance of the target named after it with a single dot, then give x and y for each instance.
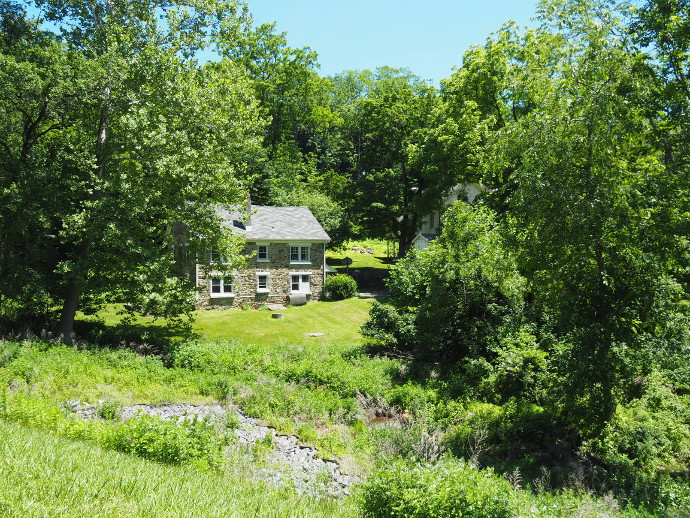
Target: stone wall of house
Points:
(279, 270)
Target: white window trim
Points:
(290, 274)
(268, 256)
(267, 289)
(222, 294)
(301, 245)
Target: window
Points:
(300, 283)
(262, 282)
(299, 253)
(221, 287)
(216, 257)
(262, 253)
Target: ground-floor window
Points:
(262, 282)
(300, 283)
(221, 287)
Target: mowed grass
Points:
(45, 475)
(378, 260)
(337, 321)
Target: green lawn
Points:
(378, 260)
(339, 322)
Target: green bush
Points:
(458, 297)
(389, 327)
(449, 488)
(170, 442)
(109, 410)
(341, 286)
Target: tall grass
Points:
(49, 476)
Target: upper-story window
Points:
(262, 253)
(216, 257)
(300, 254)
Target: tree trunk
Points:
(78, 277)
(69, 307)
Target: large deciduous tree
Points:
(124, 137)
(583, 208)
(457, 298)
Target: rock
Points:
(288, 463)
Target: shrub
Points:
(341, 286)
(449, 488)
(389, 327)
(170, 442)
(109, 410)
(449, 300)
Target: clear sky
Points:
(427, 36)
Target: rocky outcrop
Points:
(284, 462)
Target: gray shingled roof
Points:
(276, 224)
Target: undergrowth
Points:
(375, 414)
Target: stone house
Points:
(286, 260)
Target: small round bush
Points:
(341, 286)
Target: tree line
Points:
(113, 130)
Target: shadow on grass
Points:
(387, 260)
(368, 278)
(338, 262)
(142, 338)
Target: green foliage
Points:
(447, 489)
(46, 475)
(520, 368)
(150, 437)
(109, 410)
(340, 286)
(97, 211)
(452, 298)
(648, 443)
(153, 438)
(389, 327)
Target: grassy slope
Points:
(300, 385)
(47, 476)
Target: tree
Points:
(153, 140)
(456, 298)
(582, 212)
(382, 112)
(663, 29)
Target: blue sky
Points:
(426, 36)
